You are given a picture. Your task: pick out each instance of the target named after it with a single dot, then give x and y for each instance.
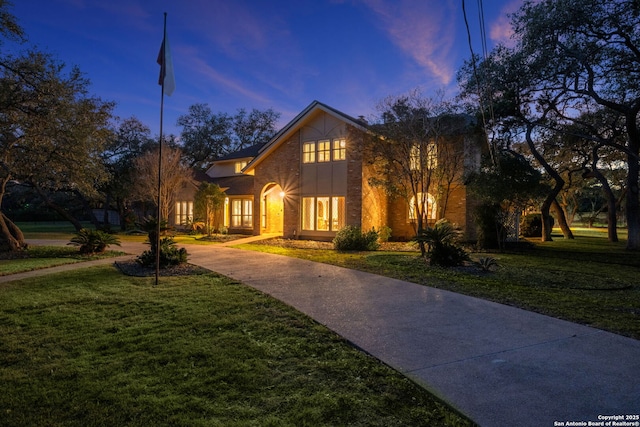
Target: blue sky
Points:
(279, 54)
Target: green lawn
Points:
(49, 256)
(93, 347)
(587, 280)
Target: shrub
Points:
(491, 232)
(351, 238)
(93, 241)
(442, 248)
(531, 225)
(384, 234)
(170, 254)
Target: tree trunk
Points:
(562, 220)
(612, 218)
(546, 219)
(551, 197)
(58, 209)
(11, 237)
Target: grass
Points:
(587, 280)
(94, 347)
(38, 257)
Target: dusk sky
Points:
(279, 54)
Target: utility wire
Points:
(477, 77)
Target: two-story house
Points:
(311, 179)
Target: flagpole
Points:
(158, 218)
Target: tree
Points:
(411, 146)
(572, 56)
(175, 174)
(9, 27)
(253, 128)
(207, 136)
(131, 138)
(506, 185)
(51, 132)
(208, 201)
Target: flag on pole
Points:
(167, 79)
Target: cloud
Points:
(500, 30)
(423, 30)
(200, 66)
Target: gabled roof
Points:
(293, 126)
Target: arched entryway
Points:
(271, 209)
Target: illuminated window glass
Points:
(309, 152)
(184, 213)
(242, 213)
(414, 158)
(239, 166)
(308, 213)
(337, 213)
(426, 204)
(322, 214)
(324, 151)
(339, 149)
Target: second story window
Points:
(324, 151)
(239, 166)
(309, 152)
(339, 149)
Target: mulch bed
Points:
(133, 268)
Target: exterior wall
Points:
(186, 193)
(335, 178)
(459, 206)
(374, 201)
(225, 168)
(282, 167)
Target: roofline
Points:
(288, 129)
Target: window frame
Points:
(339, 149)
(183, 214)
(309, 152)
(241, 213)
(331, 210)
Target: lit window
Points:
(239, 166)
(414, 158)
(309, 152)
(308, 213)
(324, 151)
(339, 149)
(323, 213)
(337, 213)
(184, 213)
(242, 213)
(424, 203)
(432, 156)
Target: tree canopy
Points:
(569, 57)
(207, 136)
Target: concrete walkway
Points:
(499, 365)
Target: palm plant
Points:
(93, 241)
(441, 244)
